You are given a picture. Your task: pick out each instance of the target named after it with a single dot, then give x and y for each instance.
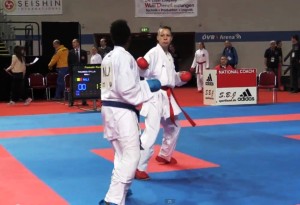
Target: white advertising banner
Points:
(30, 7)
(236, 96)
(209, 87)
(166, 8)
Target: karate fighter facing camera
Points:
(162, 108)
(200, 62)
(121, 91)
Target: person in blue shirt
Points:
(231, 54)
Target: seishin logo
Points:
(9, 5)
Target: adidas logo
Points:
(246, 96)
(209, 80)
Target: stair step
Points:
(2, 54)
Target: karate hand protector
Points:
(142, 63)
(154, 85)
(185, 76)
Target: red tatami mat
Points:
(184, 161)
(184, 123)
(20, 186)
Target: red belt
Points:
(172, 116)
(201, 66)
(201, 62)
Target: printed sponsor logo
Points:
(246, 96)
(235, 36)
(209, 81)
(9, 5)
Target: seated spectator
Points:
(223, 64)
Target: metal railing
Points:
(8, 34)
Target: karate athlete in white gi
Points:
(162, 109)
(200, 62)
(121, 91)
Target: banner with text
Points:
(166, 8)
(36, 7)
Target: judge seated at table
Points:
(223, 64)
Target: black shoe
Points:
(102, 202)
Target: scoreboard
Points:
(86, 81)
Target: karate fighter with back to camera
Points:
(121, 91)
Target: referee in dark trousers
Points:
(77, 56)
(272, 59)
(294, 56)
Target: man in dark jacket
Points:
(77, 56)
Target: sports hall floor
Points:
(51, 154)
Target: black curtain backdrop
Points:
(63, 31)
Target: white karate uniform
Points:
(200, 62)
(120, 82)
(157, 109)
(96, 59)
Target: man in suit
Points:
(77, 56)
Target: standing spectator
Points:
(96, 57)
(279, 47)
(175, 55)
(103, 49)
(200, 62)
(272, 58)
(121, 91)
(294, 56)
(162, 109)
(223, 64)
(231, 54)
(17, 69)
(60, 59)
(77, 56)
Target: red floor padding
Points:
(20, 186)
(295, 137)
(185, 161)
(184, 123)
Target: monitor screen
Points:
(85, 81)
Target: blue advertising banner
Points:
(245, 36)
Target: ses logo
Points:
(209, 81)
(9, 5)
(246, 96)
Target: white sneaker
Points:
(27, 101)
(11, 103)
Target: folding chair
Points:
(51, 82)
(37, 81)
(267, 80)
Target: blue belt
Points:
(125, 106)
(121, 105)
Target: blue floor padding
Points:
(258, 165)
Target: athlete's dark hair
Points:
(120, 32)
(296, 37)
